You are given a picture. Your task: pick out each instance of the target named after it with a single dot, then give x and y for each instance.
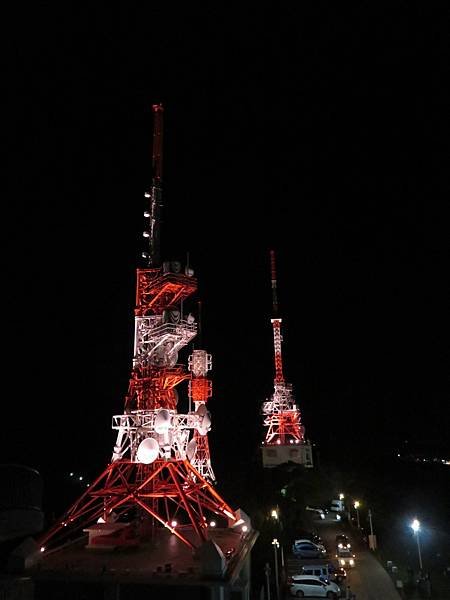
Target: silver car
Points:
(312, 586)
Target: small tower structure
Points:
(285, 435)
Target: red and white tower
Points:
(285, 435)
(159, 475)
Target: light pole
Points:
(356, 505)
(267, 572)
(276, 545)
(372, 537)
(415, 526)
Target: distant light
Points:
(101, 520)
(212, 524)
(147, 195)
(341, 496)
(291, 441)
(356, 504)
(146, 214)
(146, 234)
(274, 514)
(42, 548)
(352, 562)
(275, 542)
(145, 255)
(71, 474)
(88, 484)
(398, 454)
(174, 523)
(80, 477)
(244, 528)
(415, 525)
(278, 441)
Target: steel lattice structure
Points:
(160, 470)
(282, 417)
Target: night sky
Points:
(320, 131)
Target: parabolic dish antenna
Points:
(162, 421)
(204, 421)
(191, 449)
(148, 451)
(201, 410)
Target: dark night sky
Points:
(320, 131)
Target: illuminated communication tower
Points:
(285, 435)
(160, 472)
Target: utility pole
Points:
(267, 572)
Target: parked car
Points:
(310, 585)
(299, 540)
(326, 571)
(307, 549)
(320, 512)
(303, 534)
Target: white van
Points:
(337, 505)
(325, 572)
(309, 585)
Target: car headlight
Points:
(342, 562)
(352, 562)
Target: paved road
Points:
(368, 579)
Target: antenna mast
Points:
(152, 233)
(276, 324)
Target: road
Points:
(368, 579)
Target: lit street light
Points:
(415, 526)
(276, 545)
(357, 505)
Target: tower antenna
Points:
(153, 213)
(285, 436)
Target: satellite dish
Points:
(172, 358)
(162, 421)
(204, 421)
(148, 451)
(201, 410)
(191, 449)
(206, 424)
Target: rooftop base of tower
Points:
(163, 568)
(274, 455)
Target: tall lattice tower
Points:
(159, 475)
(285, 435)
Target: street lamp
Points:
(276, 545)
(357, 505)
(415, 526)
